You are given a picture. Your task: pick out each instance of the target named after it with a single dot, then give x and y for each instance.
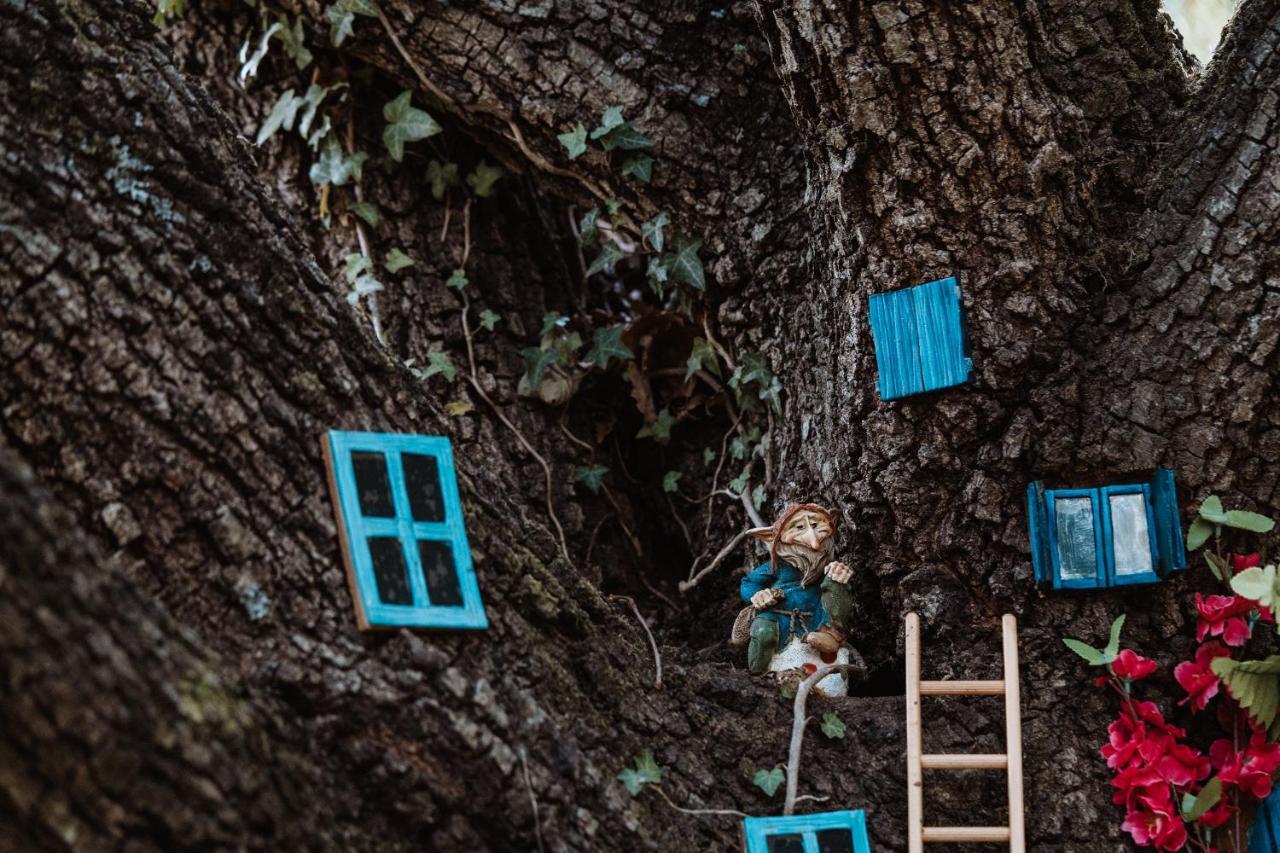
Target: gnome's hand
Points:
(839, 572)
(766, 598)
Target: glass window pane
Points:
(389, 570)
(835, 841)
(785, 843)
(372, 484)
(1077, 549)
(422, 482)
(442, 577)
(1130, 535)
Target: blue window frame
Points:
(1107, 536)
(404, 542)
(919, 338)
(825, 832)
(1264, 835)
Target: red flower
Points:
(1181, 765)
(1138, 787)
(1131, 744)
(1218, 815)
(1197, 678)
(1223, 616)
(1131, 666)
(1158, 825)
(1246, 561)
(1251, 768)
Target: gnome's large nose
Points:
(810, 538)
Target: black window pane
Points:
(422, 482)
(835, 841)
(372, 484)
(442, 578)
(389, 570)
(785, 844)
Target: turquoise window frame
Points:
(920, 340)
(756, 831)
(356, 529)
(1100, 578)
(1116, 579)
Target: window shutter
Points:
(896, 336)
(1264, 836)
(1038, 522)
(943, 361)
(1170, 548)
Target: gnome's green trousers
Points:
(837, 604)
(763, 646)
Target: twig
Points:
(686, 585)
(684, 528)
(671, 803)
(724, 444)
(528, 782)
(751, 509)
(591, 544)
(564, 427)
(657, 657)
(371, 299)
(817, 798)
(631, 536)
(797, 730)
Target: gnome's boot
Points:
(826, 641)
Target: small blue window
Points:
(400, 521)
(919, 338)
(1106, 536)
(825, 832)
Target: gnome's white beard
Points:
(808, 561)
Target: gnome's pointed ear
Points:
(764, 534)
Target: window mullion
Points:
(1102, 536)
(405, 525)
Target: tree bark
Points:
(172, 348)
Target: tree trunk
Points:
(181, 666)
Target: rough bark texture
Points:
(171, 348)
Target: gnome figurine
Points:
(799, 602)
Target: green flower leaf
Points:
(1255, 684)
(574, 141)
(1218, 566)
(405, 123)
(1251, 521)
(591, 476)
(441, 176)
(488, 320)
(1199, 533)
(482, 179)
(769, 780)
(367, 211)
(1256, 584)
(660, 429)
(1092, 656)
(639, 167)
(396, 261)
(607, 345)
(1113, 642)
(1193, 807)
(1211, 510)
(832, 726)
(671, 481)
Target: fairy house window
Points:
(826, 832)
(919, 339)
(1106, 536)
(401, 529)
(1264, 836)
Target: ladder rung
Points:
(961, 688)
(963, 834)
(991, 761)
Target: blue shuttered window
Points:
(826, 832)
(1107, 536)
(919, 339)
(1264, 835)
(403, 538)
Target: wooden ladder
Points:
(1011, 761)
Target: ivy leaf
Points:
(607, 344)
(1253, 522)
(293, 39)
(625, 137)
(342, 15)
(609, 119)
(769, 780)
(832, 726)
(639, 167)
(685, 266)
(671, 481)
(612, 205)
(537, 360)
(708, 456)
(701, 357)
(488, 320)
(311, 101)
(250, 62)
(334, 167)
(357, 265)
(439, 362)
(364, 285)
(1113, 642)
(1257, 584)
(591, 476)
(281, 115)
(574, 141)
(588, 232)
(482, 179)
(457, 280)
(1199, 533)
(405, 123)
(738, 484)
(1255, 684)
(396, 261)
(366, 211)
(657, 274)
(758, 496)
(609, 255)
(652, 230)
(1211, 510)
(660, 429)
(458, 408)
(1194, 806)
(1092, 656)
(442, 176)
(551, 321)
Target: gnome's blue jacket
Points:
(787, 579)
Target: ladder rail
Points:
(1011, 761)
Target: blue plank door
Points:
(404, 541)
(919, 339)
